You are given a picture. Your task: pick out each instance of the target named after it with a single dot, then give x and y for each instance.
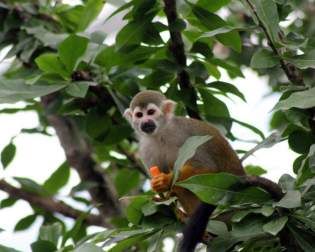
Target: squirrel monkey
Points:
(161, 134)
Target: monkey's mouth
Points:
(148, 127)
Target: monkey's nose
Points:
(148, 127)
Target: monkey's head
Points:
(149, 111)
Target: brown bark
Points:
(80, 156)
(176, 47)
(51, 205)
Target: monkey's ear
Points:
(128, 114)
(168, 107)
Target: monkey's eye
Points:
(139, 114)
(151, 111)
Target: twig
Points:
(177, 49)
(292, 72)
(51, 205)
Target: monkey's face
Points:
(150, 119)
(146, 120)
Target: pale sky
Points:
(38, 156)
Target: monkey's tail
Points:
(195, 228)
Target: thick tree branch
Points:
(51, 205)
(292, 72)
(177, 49)
(79, 155)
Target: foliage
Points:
(83, 78)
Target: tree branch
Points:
(51, 205)
(293, 73)
(79, 155)
(177, 49)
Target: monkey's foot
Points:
(161, 182)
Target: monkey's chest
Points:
(160, 154)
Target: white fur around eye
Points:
(156, 109)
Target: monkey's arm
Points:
(188, 200)
(162, 182)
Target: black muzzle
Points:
(148, 127)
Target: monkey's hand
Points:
(162, 182)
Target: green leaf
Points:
(254, 170)
(43, 246)
(213, 70)
(134, 209)
(12, 91)
(120, 9)
(226, 88)
(311, 156)
(232, 69)
(130, 34)
(51, 63)
(217, 227)
(77, 89)
(212, 105)
(98, 37)
(7, 249)
(303, 99)
(96, 124)
(222, 243)
(31, 186)
(213, 5)
(136, 32)
(149, 208)
(187, 151)
(247, 195)
(8, 154)
(266, 211)
(45, 36)
(248, 228)
(58, 179)
(25, 222)
(264, 59)
(276, 225)
(304, 239)
(292, 199)
(300, 141)
(70, 57)
(90, 12)
(212, 22)
(126, 243)
(210, 188)
(124, 175)
(7, 202)
(223, 30)
(51, 233)
(287, 183)
(304, 61)
(240, 215)
(268, 15)
(88, 247)
(78, 231)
